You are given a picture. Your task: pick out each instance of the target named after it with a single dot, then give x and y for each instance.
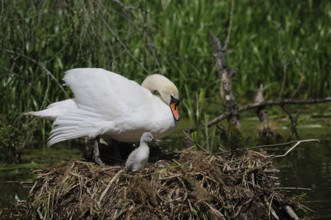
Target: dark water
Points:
(16, 179)
(308, 166)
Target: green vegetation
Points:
(284, 44)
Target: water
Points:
(16, 179)
(307, 166)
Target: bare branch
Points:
(295, 145)
(268, 103)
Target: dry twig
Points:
(197, 185)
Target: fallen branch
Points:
(224, 75)
(291, 213)
(295, 145)
(273, 145)
(266, 103)
(294, 188)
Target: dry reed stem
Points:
(194, 186)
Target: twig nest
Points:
(197, 185)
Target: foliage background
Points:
(284, 44)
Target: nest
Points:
(195, 185)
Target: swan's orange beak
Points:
(174, 108)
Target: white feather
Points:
(108, 104)
(54, 110)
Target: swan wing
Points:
(107, 93)
(106, 103)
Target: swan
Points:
(139, 157)
(106, 104)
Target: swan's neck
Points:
(159, 84)
(155, 82)
(151, 85)
(143, 144)
(144, 147)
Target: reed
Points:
(283, 44)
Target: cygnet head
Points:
(168, 92)
(147, 137)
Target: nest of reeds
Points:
(195, 185)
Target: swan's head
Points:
(147, 137)
(166, 90)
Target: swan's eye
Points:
(156, 92)
(175, 101)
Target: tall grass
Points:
(284, 44)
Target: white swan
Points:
(139, 157)
(108, 104)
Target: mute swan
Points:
(106, 104)
(139, 157)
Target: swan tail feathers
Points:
(54, 110)
(75, 124)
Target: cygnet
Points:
(139, 157)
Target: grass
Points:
(283, 44)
